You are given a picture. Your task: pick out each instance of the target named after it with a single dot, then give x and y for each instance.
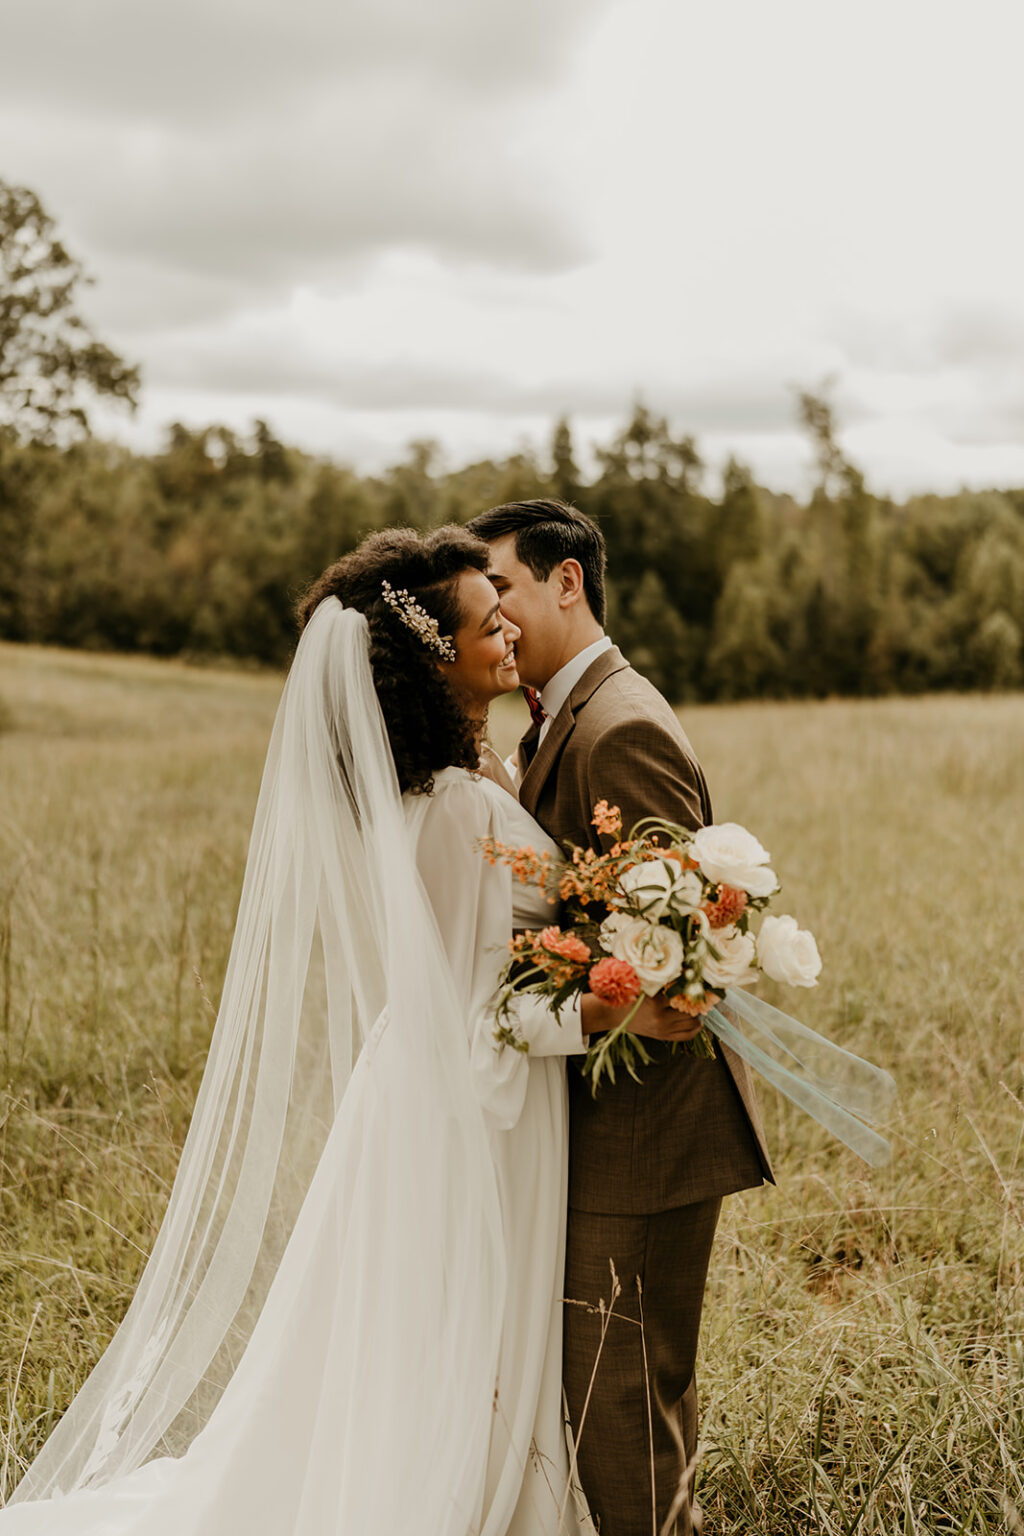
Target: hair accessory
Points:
(416, 618)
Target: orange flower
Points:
(693, 1006)
(527, 865)
(607, 818)
(566, 945)
(559, 972)
(728, 905)
(615, 982)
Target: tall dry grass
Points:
(863, 1350)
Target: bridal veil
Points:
(335, 945)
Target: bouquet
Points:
(665, 911)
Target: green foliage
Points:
(201, 550)
(745, 660)
(50, 361)
(565, 479)
(995, 652)
(817, 415)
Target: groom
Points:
(649, 1163)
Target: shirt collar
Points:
(555, 692)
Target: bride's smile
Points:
(485, 645)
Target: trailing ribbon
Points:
(844, 1093)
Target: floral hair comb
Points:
(416, 618)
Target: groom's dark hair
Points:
(546, 533)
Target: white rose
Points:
(730, 855)
(735, 965)
(655, 953)
(788, 953)
(610, 927)
(688, 896)
(660, 885)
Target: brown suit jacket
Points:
(690, 1130)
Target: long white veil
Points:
(335, 946)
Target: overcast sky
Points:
(377, 221)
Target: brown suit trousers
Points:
(649, 1162)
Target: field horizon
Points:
(862, 1365)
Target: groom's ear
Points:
(570, 583)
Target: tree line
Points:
(201, 549)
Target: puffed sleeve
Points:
(472, 904)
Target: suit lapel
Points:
(536, 773)
(546, 756)
(526, 749)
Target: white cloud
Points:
(211, 155)
(202, 62)
(375, 221)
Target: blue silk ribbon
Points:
(844, 1093)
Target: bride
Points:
(350, 1323)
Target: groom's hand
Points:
(657, 1020)
(654, 1019)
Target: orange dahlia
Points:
(615, 982)
(728, 905)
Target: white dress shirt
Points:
(554, 694)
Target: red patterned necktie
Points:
(538, 714)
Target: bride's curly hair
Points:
(427, 726)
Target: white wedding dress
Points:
(401, 1372)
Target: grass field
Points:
(863, 1351)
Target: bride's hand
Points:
(654, 1019)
